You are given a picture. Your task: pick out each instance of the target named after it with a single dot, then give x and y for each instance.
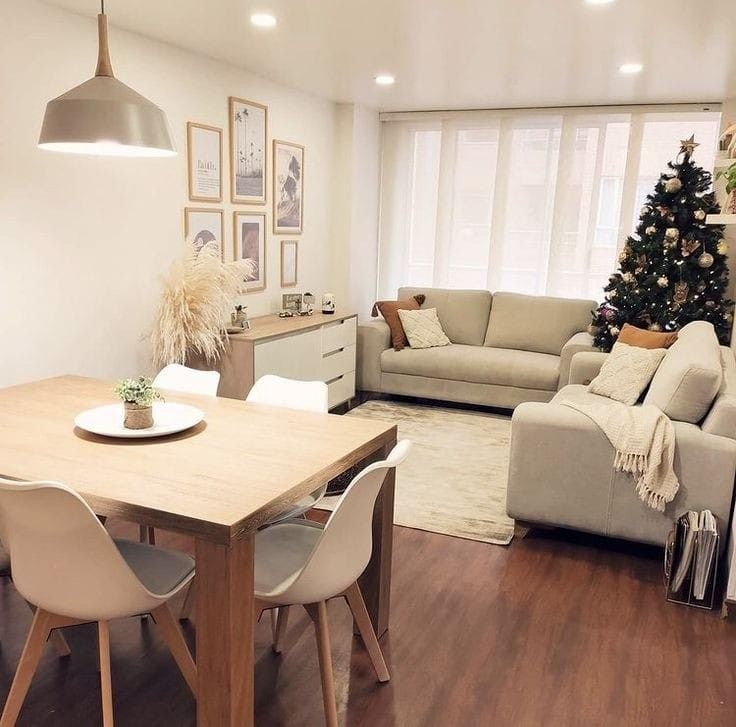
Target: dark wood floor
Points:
(556, 629)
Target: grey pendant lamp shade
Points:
(104, 116)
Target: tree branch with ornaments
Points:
(673, 270)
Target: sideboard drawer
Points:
(339, 335)
(341, 389)
(338, 363)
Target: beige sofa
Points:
(506, 349)
(561, 464)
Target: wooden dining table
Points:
(218, 482)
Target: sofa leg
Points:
(522, 528)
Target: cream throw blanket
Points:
(644, 440)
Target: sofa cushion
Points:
(389, 309)
(536, 323)
(423, 329)
(626, 372)
(689, 376)
(476, 364)
(462, 313)
(643, 338)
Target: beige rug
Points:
(454, 481)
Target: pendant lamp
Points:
(104, 116)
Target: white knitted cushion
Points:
(422, 328)
(626, 372)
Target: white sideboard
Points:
(310, 348)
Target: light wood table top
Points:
(225, 477)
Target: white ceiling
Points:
(458, 53)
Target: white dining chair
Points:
(192, 381)
(292, 394)
(299, 562)
(66, 565)
(176, 377)
(278, 391)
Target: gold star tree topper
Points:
(687, 146)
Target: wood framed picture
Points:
(289, 263)
(204, 226)
(292, 302)
(204, 162)
(288, 187)
(249, 243)
(248, 151)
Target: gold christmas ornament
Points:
(680, 295)
(655, 327)
(687, 146)
(673, 185)
(699, 214)
(689, 247)
(705, 260)
(672, 233)
(722, 247)
(651, 230)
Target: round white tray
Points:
(168, 418)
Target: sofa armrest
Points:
(373, 339)
(579, 342)
(721, 419)
(585, 366)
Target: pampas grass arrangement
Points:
(198, 295)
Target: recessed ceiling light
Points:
(263, 20)
(630, 68)
(598, 2)
(385, 79)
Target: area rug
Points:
(454, 481)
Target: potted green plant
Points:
(730, 176)
(138, 396)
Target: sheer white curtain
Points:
(534, 202)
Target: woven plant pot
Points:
(137, 417)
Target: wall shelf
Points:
(720, 220)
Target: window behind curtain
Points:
(528, 202)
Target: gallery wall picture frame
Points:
(288, 187)
(205, 226)
(248, 122)
(292, 302)
(249, 241)
(204, 162)
(289, 263)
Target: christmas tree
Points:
(673, 270)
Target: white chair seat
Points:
(282, 551)
(159, 570)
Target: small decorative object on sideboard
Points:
(328, 303)
(307, 305)
(729, 175)
(239, 319)
(292, 302)
(138, 396)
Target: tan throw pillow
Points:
(626, 372)
(423, 328)
(633, 336)
(389, 309)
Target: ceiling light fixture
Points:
(385, 79)
(263, 20)
(598, 2)
(630, 68)
(104, 116)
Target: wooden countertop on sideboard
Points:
(271, 326)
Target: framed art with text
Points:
(204, 162)
(249, 243)
(248, 151)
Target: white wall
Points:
(356, 221)
(84, 240)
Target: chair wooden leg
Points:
(56, 638)
(103, 636)
(27, 666)
(357, 605)
(273, 615)
(318, 614)
(189, 601)
(172, 635)
(281, 622)
(147, 535)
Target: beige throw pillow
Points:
(626, 372)
(423, 328)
